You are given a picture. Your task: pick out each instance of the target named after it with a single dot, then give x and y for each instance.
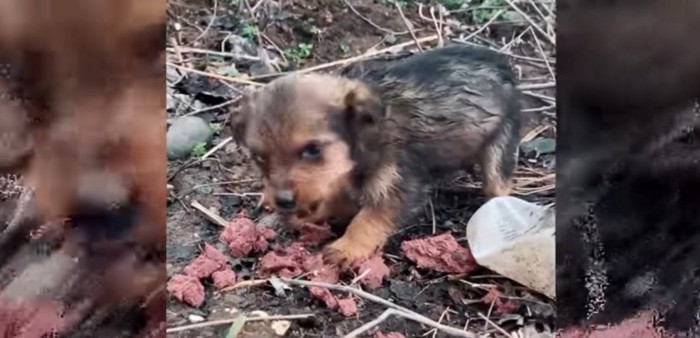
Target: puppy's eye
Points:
(311, 152)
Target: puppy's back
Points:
(447, 102)
(453, 63)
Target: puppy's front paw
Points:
(344, 252)
(367, 232)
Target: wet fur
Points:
(389, 129)
(628, 160)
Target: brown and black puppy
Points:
(367, 145)
(90, 74)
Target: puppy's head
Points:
(93, 84)
(312, 136)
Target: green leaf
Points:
(249, 31)
(301, 52)
(494, 3)
(452, 4)
(540, 146)
(199, 150)
(216, 127)
(279, 286)
(512, 16)
(229, 71)
(236, 327)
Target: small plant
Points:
(216, 127)
(299, 53)
(452, 4)
(227, 70)
(401, 3)
(314, 30)
(199, 150)
(249, 31)
(490, 7)
(345, 48)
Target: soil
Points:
(227, 182)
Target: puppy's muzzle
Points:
(104, 223)
(285, 201)
(105, 209)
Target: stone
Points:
(184, 135)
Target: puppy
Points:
(91, 73)
(367, 145)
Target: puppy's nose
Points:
(285, 200)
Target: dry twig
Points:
(192, 50)
(484, 26)
(370, 22)
(229, 321)
(412, 316)
(210, 215)
(531, 22)
(397, 309)
(211, 22)
(215, 76)
(220, 105)
(408, 26)
(217, 147)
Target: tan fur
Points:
(494, 185)
(367, 233)
(312, 183)
(100, 100)
(382, 186)
(317, 186)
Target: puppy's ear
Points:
(239, 116)
(149, 43)
(359, 123)
(361, 127)
(363, 108)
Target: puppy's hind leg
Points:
(498, 159)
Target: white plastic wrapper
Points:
(515, 238)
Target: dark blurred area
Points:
(628, 222)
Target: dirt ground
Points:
(231, 42)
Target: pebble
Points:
(258, 313)
(261, 68)
(280, 326)
(241, 45)
(232, 311)
(195, 318)
(184, 134)
(205, 190)
(175, 102)
(269, 221)
(172, 75)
